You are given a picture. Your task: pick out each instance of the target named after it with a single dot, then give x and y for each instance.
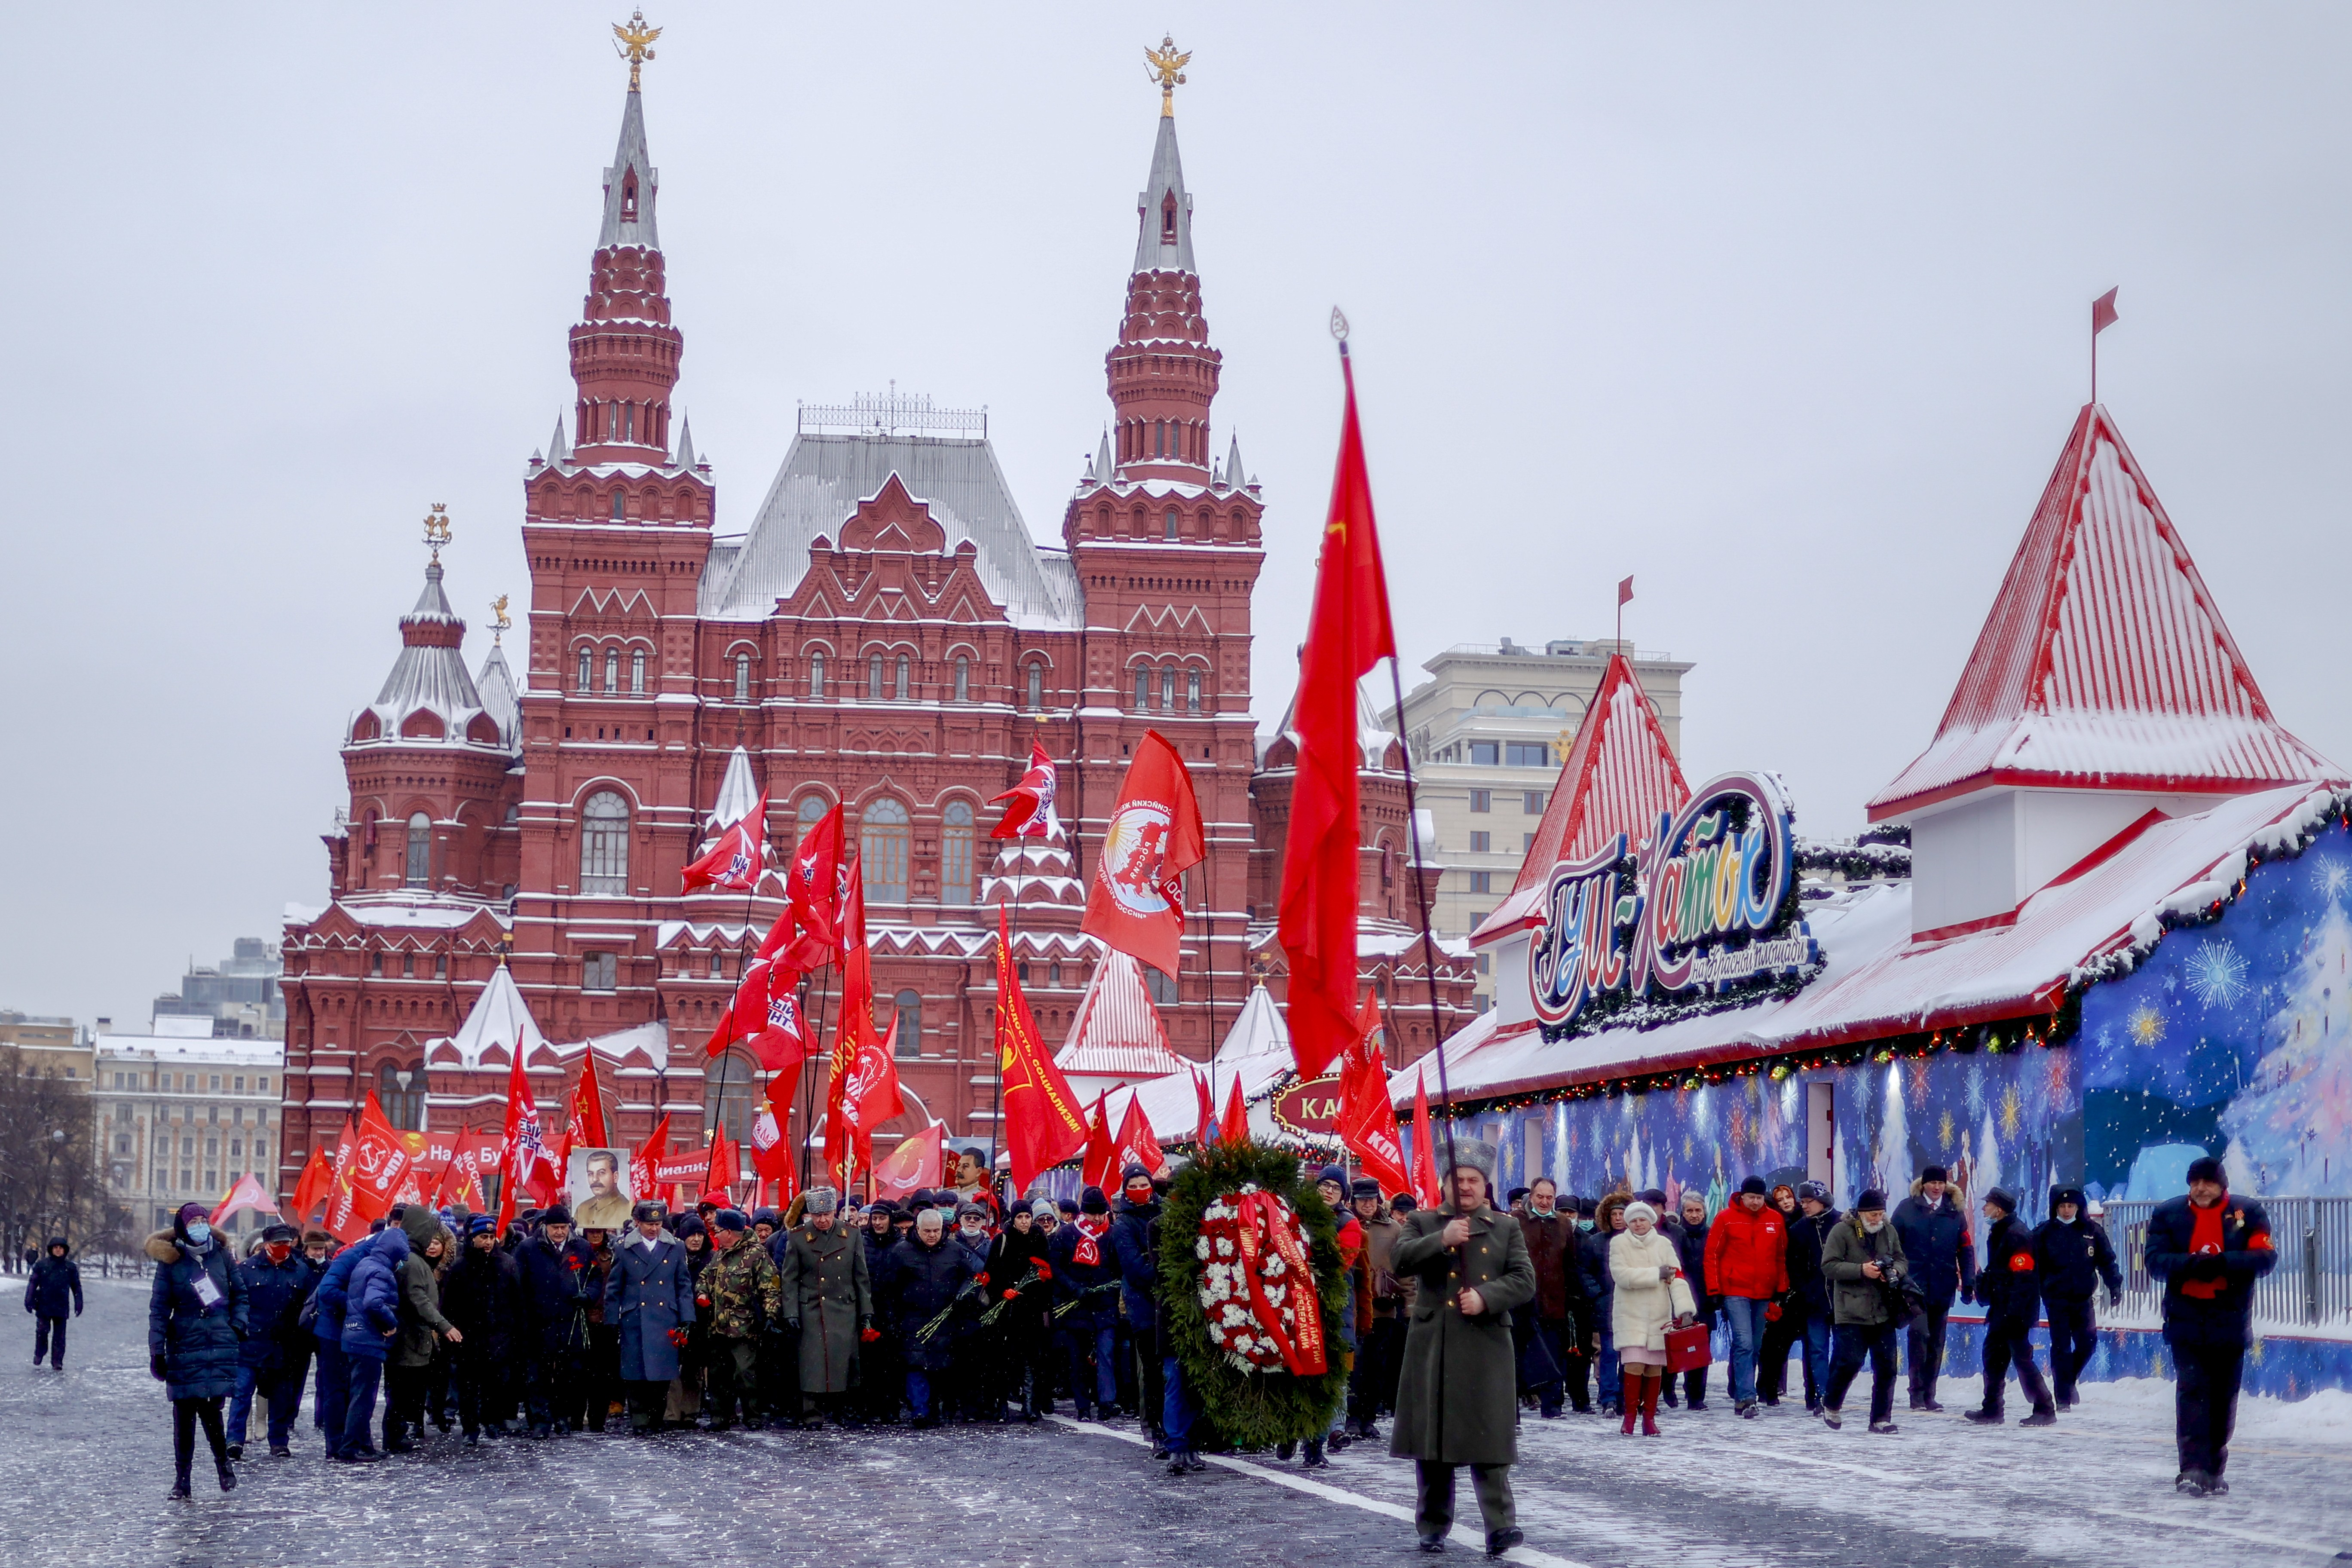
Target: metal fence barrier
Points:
(2310, 1289)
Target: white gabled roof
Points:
(498, 1018)
(1118, 1032)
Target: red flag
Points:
(342, 1219)
(1367, 1120)
(1205, 1128)
(246, 1192)
(717, 1181)
(856, 1031)
(1136, 1146)
(870, 1097)
(913, 1165)
(1099, 1168)
(1029, 805)
(460, 1183)
(379, 1162)
(1137, 903)
(771, 1157)
(1424, 1152)
(523, 1161)
(765, 1014)
(314, 1187)
(1043, 1125)
(1234, 1128)
(2103, 312)
(643, 1157)
(1347, 633)
(1625, 592)
(738, 858)
(820, 885)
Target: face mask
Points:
(1584, 1224)
(1874, 1226)
(279, 1251)
(200, 1234)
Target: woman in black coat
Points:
(1025, 1328)
(195, 1324)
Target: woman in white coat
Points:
(1650, 1297)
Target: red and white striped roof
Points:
(2105, 664)
(1118, 1032)
(1620, 776)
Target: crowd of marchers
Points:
(964, 1307)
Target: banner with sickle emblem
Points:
(1136, 902)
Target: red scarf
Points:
(2205, 1241)
(1087, 1253)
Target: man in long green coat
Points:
(828, 1302)
(1457, 1399)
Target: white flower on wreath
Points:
(1225, 1247)
(1200, 1247)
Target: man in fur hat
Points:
(1457, 1398)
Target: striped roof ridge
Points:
(2104, 663)
(1620, 776)
(1117, 1031)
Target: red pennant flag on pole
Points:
(245, 1193)
(2103, 312)
(738, 860)
(1347, 633)
(1367, 1121)
(1154, 837)
(1098, 1167)
(644, 1156)
(1205, 1127)
(772, 1156)
(913, 1165)
(316, 1185)
(1043, 1124)
(870, 1097)
(1234, 1129)
(379, 1162)
(765, 1014)
(1424, 1152)
(719, 1180)
(820, 883)
(523, 1162)
(856, 1032)
(1136, 1145)
(1029, 805)
(584, 1122)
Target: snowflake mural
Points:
(2012, 1109)
(1944, 1132)
(1974, 1099)
(2330, 877)
(2218, 974)
(2147, 1025)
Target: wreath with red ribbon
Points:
(1253, 1277)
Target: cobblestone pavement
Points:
(88, 1451)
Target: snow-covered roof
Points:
(428, 699)
(2104, 663)
(1163, 185)
(618, 228)
(1256, 1050)
(1033, 872)
(500, 701)
(738, 793)
(206, 1048)
(1116, 1032)
(498, 1018)
(824, 478)
(1878, 980)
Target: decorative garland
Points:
(1239, 1376)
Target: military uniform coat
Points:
(1457, 1397)
(826, 1287)
(649, 1292)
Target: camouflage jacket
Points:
(734, 1281)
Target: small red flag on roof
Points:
(2103, 312)
(1029, 805)
(1625, 592)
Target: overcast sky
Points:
(1781, 310)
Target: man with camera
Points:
(1863, 1260)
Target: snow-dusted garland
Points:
(1224, 1290)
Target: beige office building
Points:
(181, 1115)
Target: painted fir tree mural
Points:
(2290, 1124)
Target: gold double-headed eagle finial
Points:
(1167, 70)
(633, 42)
(436, 530)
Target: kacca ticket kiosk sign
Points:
(1704, 914)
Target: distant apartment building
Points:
(182, 1114)
(240, 994)
(1488, 732)
(46, 1044)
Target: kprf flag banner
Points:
(738, 858)
(820, 879)
(869, 1097)
(1043, 1124)
(913, 1165)
(766, 1016)
(316, 1185)
(1347, 633)
(342, 1219)
(856, 1032)
(1100, 1167)
(1424, 1151)
(524, 1165)
(1154, 837)
(245, 1194)
(584, 1126)
(1367, 1121)
(772, 1156)
(379, 1163)
(1136, 1146)
(473, 1156)
(642, 1158)
(1029, 805)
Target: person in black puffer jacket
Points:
(483, 1297)
(55, 1286)
(1808, 1300)
(553, 1327)
(196, 1319)
(2209, 1250)
(2011, 1295)
(276, 1355)
(1934, 1225)
(922, 1278)
(1688, 1228)
(2073, 1255)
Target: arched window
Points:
(1142, 689)
(742, 677)
(604, 846)
(587, 678)
(735, 1078)
(1167, 688)
(420, 851)
(1036, 686)
(911, 1023)
(1171, 523)
(882, 844)
(1160, 437)
(636, 672)
(812, 809)
(963, 680)
(816, 675)
(902, 677)
(620, 502)
(955, 853)
(874, 677)
(612, 671)
(403, 1104)
(1192, 691)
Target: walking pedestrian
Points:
(1551, 1247)
(195, 1316)
(1865, 1264)
(275, 1354)
(649, 1298)
(2208, 1248)
(54, 1285)
(1650, 1297)
(1688, 1232)
(1807, 1305)
(423, 1330)
(1457, 1401)
(371, 1325)
(1934, 1225)
(2012, 1299)
(482, 1298)
(2073, 1255)
(330, 1302)
(739, 1292)
(828, 1302)
(1748, 1268)
(1600, 1292)
(1375, 1369)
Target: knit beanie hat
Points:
(1752, 1184)
(1637, 1209)
(2207, 1168)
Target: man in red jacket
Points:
(1747, 1267)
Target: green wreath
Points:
(1251, 1409)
